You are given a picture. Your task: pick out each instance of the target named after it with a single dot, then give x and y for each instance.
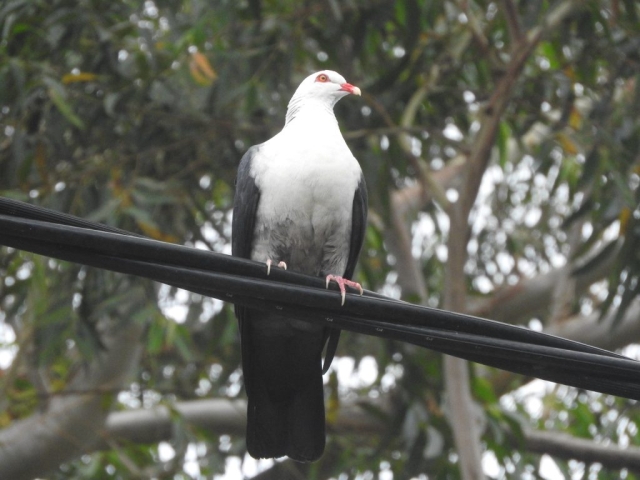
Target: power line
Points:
(244, 282)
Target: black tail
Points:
(291, 426)
(283, 378)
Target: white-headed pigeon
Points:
(300, 203)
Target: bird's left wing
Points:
(358, 229)
(358, 226)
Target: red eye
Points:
(322, 78)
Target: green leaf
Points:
(483, 389)
(155, 338)
(630, 7)
(57, 96)
(548, 50)
(183, 345)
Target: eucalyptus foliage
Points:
(136, 114)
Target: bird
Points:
(300, 203)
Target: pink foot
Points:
(280, 264)
(341, 283)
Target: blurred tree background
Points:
(500, 141)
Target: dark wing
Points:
(245, 207)
(358, 226)
(358, 229)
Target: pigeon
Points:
(301, 204)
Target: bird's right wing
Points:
(245, 207)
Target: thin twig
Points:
(513, 22)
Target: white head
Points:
(323, 89)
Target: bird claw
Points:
(341, 284)
(280, 264)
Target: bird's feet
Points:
(341, 283)
(280, 264)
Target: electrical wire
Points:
(244, 282)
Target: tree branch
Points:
(69, 427)
(513, 21)
(518, 303)
(221, 416)
(601, 332)
(562, 445)
(456, 370)
(229, 416)
(404, 205)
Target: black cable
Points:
(138, 248)
(616, 375)
(244, 282)
(16, 208)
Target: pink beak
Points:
(347, 87)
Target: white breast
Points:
(305, 173)
(307, 179)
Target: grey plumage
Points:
(300, 198)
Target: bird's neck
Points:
(305, 109)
